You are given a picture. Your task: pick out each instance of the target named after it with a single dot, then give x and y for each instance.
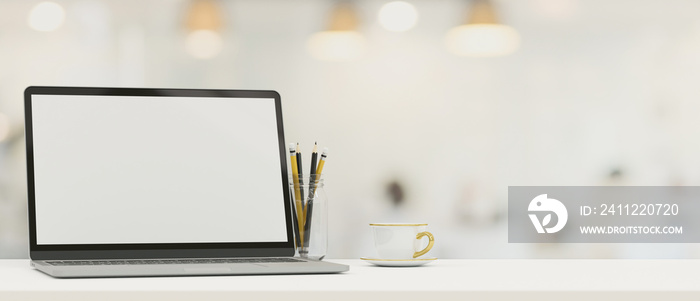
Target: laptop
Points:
(159, 182)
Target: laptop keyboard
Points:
(172, 261)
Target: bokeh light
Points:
(337, 45)
(482, 40)
(398, 16)
(204, 44)
(46, 16)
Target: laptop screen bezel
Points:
(159, 250)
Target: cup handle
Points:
(431, 242)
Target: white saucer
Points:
(399, 262)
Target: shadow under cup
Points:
(401, 241)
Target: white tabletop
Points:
(444, 279)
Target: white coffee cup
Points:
(401, 241)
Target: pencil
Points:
(312, 175)
(312, 171)
(300, 169)
(321, 162)
(297, 196)
(310, 203)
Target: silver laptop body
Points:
(159, 182)
(186, 267)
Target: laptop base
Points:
(189, 269)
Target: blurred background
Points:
(430, 108)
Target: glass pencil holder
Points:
(310, 216)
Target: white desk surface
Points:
(444, 279)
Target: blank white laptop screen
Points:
(141, 169)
